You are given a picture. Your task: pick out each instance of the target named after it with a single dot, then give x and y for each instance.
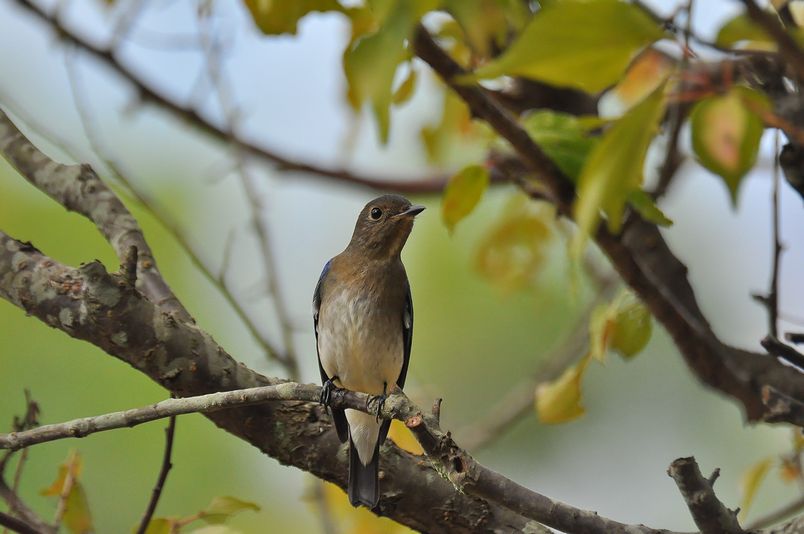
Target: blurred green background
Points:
(473, 341)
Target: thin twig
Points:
(232, 117)
(66, 489)
(17, 525)
(773, 293)
(146, 92)
(163, 217)
(777, 348)
(777, 515)
(160, 480)
(462, 470)
(21, 510)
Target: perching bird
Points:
(363, 317)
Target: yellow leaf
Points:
(221, 508)
(405, 89)
(404, 438)
(644, 75)
(450, 139)
(585, 44)
(750, 482)
(77, 517)
(614, 168)
(726, 134)
(560, 401)
(790, 470)
(624, 325)
(513, 250)
(463, 192)
(357, 520)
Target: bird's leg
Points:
(381, 400)
(326, 390)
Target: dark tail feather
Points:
(363, 479)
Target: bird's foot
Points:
(326, 391)
(379, 401)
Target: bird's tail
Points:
(363, 479)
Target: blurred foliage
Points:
(492, 293)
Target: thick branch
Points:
(451, 461)
(187, 114)
(90, 304)
(640, 255)
(709, 514)
(78, 188)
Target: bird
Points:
(363, 319)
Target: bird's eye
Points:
(376, 213)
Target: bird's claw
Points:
(380, 402)
(326, 392)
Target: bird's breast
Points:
(360, 338)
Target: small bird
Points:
(363, 317)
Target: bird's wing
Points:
(407, 335)
(338, 415)
(407, 341)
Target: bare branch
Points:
(146, 92)
(167, 465)
(459, 467)
(21, 510)
(709, 514)
(777, 515)
(78, 188)
(17, 525)
(782, 407)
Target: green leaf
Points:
(726, 132)
(275, 17)
(750, 482)
(483, 22)
(624, 325)
(562, 137)
(647, 208)
(741, 29)
(371, 63)
(614, 168)
(405, 89)
(463, 192)
(216, 529)
(160, 525)
(559, 401)
(585, 44)
(221, 508)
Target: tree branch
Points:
(167, 465)
(709, 514)
(787, 45)
(187, 114)
(451, 461)
(90, 304)
(17, 525)
(78, 188)
(640, 255)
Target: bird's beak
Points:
(411, 211)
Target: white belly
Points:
(359, 343)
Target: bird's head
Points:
(383, 226)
